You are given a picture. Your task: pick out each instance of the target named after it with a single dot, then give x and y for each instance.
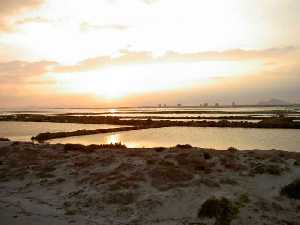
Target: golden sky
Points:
(145, 52)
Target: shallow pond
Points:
(218, 138)
(23, 131)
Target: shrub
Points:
(159, 149)
(229, 181)
(150, 161)
(163, 176)
(120, 198)
(79, 147)
(268, 169)
(186, 146)
(232, 149)
(273, 170)
(207, 155)
(292, 190)
(4, 139)
(223, 210)
(243, 200)
(74, 147)
(209, 182)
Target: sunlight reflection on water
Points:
(218, 138)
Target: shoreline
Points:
(111, 184)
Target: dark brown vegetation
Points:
(223, 210)
(232, 149)
(88, 148)
(164, 177)
(274, 122)
(272, 169)
(185, 146)
(4, 139)
(47, 136)
(292, 190)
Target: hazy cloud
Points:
(103, 61)
(32, 20)
(127, 57)
(16, 71)
(90, 27)
(11, 8)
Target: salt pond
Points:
(23, 131)
(206, 137)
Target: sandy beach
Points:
(74, 184)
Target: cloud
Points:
(90, 27)
(32, 20)
(129, 57)
(233, 54)
(103, 61)
(11, 8)
(150, 1)
(19, 71)
(22, 82)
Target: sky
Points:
(104, 53)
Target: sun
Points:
(118, 82)
(110, 94)
(97, 83)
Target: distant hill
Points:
(274, 101)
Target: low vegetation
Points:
(243, 200)
(223, 210)
(122, 198)
(48, 136)
(149, 186)
(232, 149)
(79, 147)
(292, 190)
(272, 169)
(163, 177)
(185, 146)
(4, 139)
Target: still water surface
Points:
(23, 131)
(218, 138)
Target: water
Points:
(143, 109)
(220, 138)
(23, 131)
(138, 112)
(217, 138)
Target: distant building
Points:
(178, 105)
(217, 105)
(165, 105)
(233, 104)
(159, 105)
(205, 104)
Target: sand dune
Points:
(73, 184)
